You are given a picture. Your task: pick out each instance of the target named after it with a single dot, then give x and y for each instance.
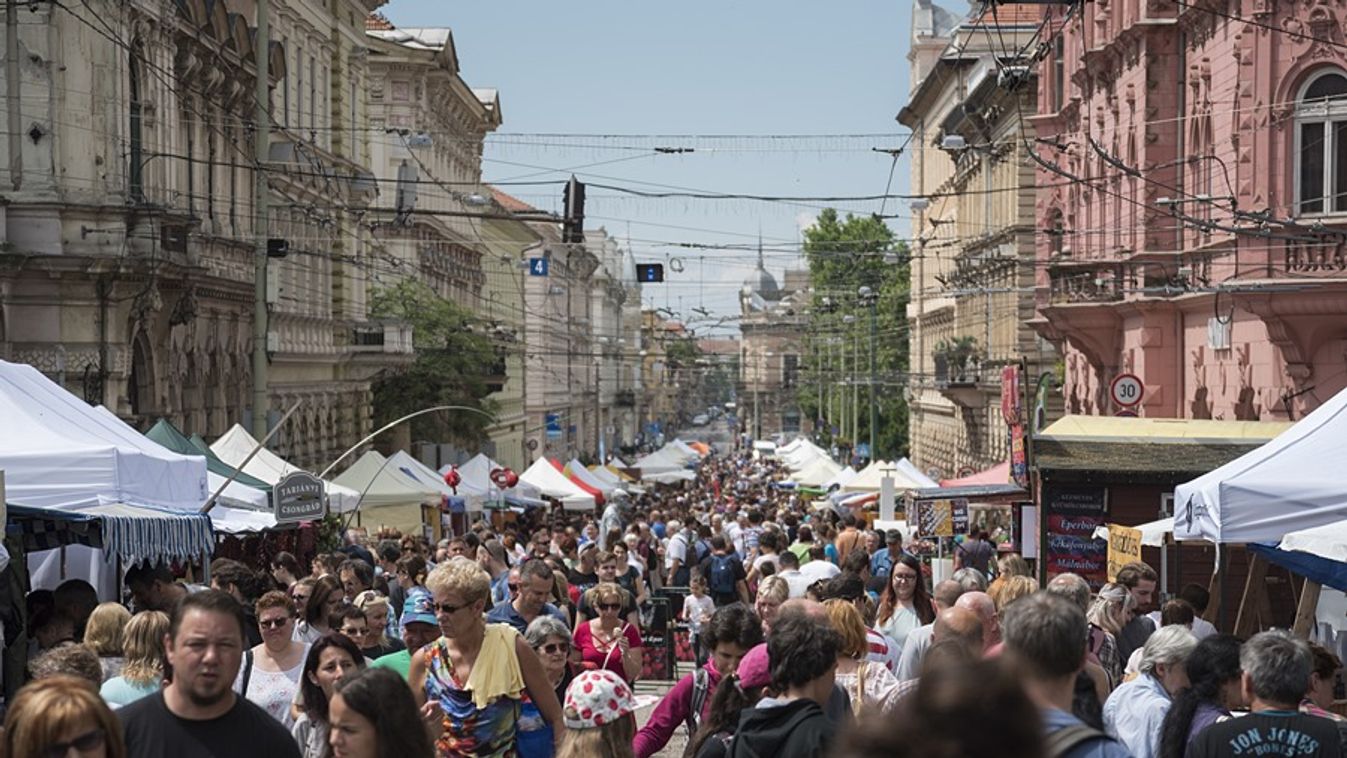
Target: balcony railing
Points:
(382, 338)
(1089, 286)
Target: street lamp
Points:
(849, 320)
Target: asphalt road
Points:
(656, 690)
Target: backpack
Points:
(701, 685)
(1069, 738)
(722, 575)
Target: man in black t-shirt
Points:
(1275, 677)
(197, 714)
(726, 580)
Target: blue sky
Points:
(602, 67)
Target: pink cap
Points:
(754, 668)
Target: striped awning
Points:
(132, 533)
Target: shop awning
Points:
(1145, 449)
(132, 533)
(998, 474)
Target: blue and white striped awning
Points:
(132, 533)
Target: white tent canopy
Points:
(816, 473)
(1290, 484)
(577, 469)
(1153, 533)
(688, 452)
(669, 477)
(388, 497)
(840, 479)
(234, 446)
(425, 476)
(905, 477)
(58, 451)
(475, 482)
(660, 460)
(552, 483)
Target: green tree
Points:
(845, 254)
(454, 359)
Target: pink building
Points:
(1193, 228)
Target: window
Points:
(299, 90)
(285, 85)
(135, 134)
(1058, 72)
(313, 94)
(1321, 144)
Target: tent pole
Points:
(261, 444)
(1305, 611)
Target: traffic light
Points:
(649, 272)
(573, 223)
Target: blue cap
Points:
(419, 607)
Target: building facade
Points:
(129, 219)
(1199, 223)
(973, 237)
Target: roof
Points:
(1196, 431)
(1145, 449)
(510, 202)
(720, 346)
(378, 22)
(423, 38)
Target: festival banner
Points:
(1073, 513)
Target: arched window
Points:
(1321, 144)
(140, 384)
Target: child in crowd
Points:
(697, 609)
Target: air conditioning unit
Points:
(1218, 333)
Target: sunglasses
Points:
(514, 587)
(351, 631)
(555, 648)
(273, 623)
(84, 743)
(610, 606)
(447, 608)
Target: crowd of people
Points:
(809, 635)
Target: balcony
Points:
(624, 399)
(1094, 285)
(958, 372)
(391, 338)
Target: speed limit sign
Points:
(1126, 390)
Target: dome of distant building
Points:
(762, 283)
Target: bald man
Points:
(981, 604)
(944, 595)
(962, 626)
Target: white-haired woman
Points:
(1108, 614)
(1135, 712)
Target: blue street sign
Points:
(553, 423)
(538, 266)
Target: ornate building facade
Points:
(771, 342)
(1194, 154)
(974, 239)
(129, 217)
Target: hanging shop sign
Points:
(1073, 513)
(300, 496)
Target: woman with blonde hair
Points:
(103, 635)
(1005, 591)
(477, 673)
(143, 649)
(772, 592)
(608, 641)
(872, 687)
(53, 716)
(1109, 613)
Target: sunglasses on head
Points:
(84, 743)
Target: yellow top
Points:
(496, 672)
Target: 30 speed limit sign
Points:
(1126, 390)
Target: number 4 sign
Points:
(538, 266)
(1126, 390)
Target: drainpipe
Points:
(13, 91)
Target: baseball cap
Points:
(419, 607)
(755, 670)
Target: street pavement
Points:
(657, 690)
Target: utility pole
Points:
(261, 213)
(869, 295)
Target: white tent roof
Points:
(577, 469)
(1288, 484)
(424, 475)
(660, 460)
(841, 478)
(552, 483)
(235, 444)
(617, 463)
(59, 452)
(685, 449)
(1153, 533)
(791, 446)
(668, 477)
(905, 477)
(816, 473)
(383, 485)
(475, 476)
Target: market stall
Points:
(389, 498)
(234, 446)
(545, 477)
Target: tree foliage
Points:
(845, 254)
(454, 359)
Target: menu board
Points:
(1073, 512)
(942, 518)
